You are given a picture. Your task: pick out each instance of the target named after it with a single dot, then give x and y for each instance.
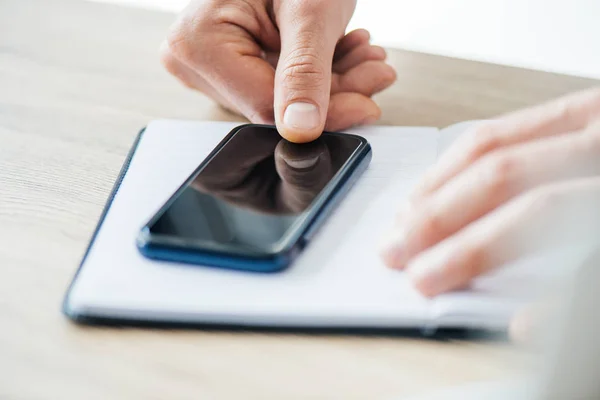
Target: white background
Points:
(552, 35)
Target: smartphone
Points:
(256, 201)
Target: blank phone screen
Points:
(254, 189)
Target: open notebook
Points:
(338, 281)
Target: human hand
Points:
(270, 175)
(284, 62)
(506, 189)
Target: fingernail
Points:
(302, 163)
(302, 116)
(392, 249)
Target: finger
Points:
(350, 41)
(309, 33)
(492, 181)
(351, 109)
(368, 78)
(567, 114)
(358, 55)
(548, 217)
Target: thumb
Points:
(309, 32)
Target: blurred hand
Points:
(280, 181)
(506, 189)
(280, 61)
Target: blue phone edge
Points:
(277, 262)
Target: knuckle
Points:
(180, 43)
(430, 227)
(499, 170)
(566, 110)
(483, 140)
(583, 106)
(186, 38)
(303, 71)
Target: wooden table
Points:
(77, 82)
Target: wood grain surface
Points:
(77, 82)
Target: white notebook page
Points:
(338, 280)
